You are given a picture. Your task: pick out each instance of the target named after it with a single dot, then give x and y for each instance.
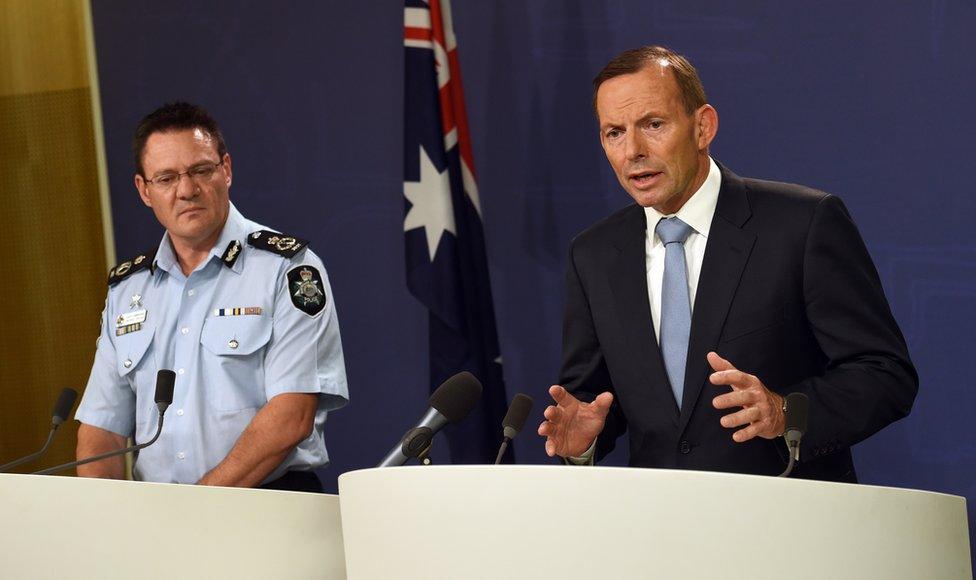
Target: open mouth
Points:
(644, 178)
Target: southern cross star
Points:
(431, 206)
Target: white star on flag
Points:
(430, 200)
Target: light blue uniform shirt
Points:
(235, 339)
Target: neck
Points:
(701, 175)
(191, 253)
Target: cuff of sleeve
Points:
(586, 458)
(118, 425)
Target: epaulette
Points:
(281, 244)
(130, 267)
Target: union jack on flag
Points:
(447, 267)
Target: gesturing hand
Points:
(571, 426)
(762, 409)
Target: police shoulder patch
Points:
(306, 289)
(281, 244)
(129, 267)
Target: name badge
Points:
(129, 318)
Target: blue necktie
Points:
(675, 304)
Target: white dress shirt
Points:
(697, 212)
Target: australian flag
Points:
(447, 267)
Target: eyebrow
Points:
(197, 164)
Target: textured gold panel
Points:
(52, 265)
(42, 46)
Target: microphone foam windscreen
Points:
(165, 379)
(518, 412)
(62, 408)
(456, 396)
(797, 412)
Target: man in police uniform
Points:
(242, 314)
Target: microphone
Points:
(797, 415)
(514, 420)
(416, 443)
(62, 408)
(165, 380)
(449, 403)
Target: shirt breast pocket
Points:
(134, 363)
(233, 361)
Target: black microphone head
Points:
(517, 413)
(456, 396)
(797, 412)
(62, 408)
(165, 380)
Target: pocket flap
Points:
(131, 347)
(235, 335)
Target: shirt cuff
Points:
(586, 458)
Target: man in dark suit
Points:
(692, 314)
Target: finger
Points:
(735, 399)
(718, 363)
(739, 418)
(733, 378)
(552, 413)
(743, 435)
(546, 428)
(602, 402)
(550, 447)
(557, 393)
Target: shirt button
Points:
(179, 412)
(684, 447)
(127, 363)
(181, 455)
(180, 371)
(191, 292)
(184, 330)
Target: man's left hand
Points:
(761, 409)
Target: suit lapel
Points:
(726, 255)
(628, 273)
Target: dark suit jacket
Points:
(787, 292)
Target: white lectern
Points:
(611, 523)
(66, 527)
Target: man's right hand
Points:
(571, 426)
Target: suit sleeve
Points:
(584, 370)
(869, 379)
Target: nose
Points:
(186, 188)
(634, 146)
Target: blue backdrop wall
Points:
(868, 100)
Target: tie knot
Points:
(673, 230)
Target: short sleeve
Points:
(305, 351)
(108, 401)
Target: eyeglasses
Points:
(199, 174)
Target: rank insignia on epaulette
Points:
(306, 289)
(129, 267)
(280, 244)
(231, 254)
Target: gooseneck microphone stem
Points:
(32, 456)
(789, 467)
(501, 450)
(62, 409)
(165, 380)
(92, 459)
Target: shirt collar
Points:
(697, 212)
(235, 228)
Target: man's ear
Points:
(707, 126)
(142, 188)
(227, 168)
